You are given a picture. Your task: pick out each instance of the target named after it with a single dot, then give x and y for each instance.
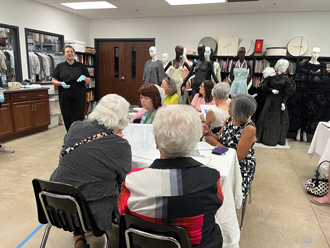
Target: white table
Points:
(321, 145)
(231, 185)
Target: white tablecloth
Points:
(231, 185)
(321, 145)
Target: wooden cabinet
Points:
(24, 112)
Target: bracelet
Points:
(203, 121)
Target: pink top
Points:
(197, 101)
(139, 114)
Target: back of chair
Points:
(63, 206)
(135, 232)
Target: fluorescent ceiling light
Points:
(90, 5)
(188, 2)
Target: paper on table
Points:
(202, 145)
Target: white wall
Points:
(276, 29)
(34, 15)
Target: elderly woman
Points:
(217, 116)
(171, 96)
(204, 97)
(150, 101)
(99, 165)
(239, 132)
(166, 191)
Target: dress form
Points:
(165, 62)
(153, 69)
(216, 66)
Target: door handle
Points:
(122, 78)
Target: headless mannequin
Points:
(241, 63)
(201, 68)
(153, 69)
(216, 67)
(315, 56)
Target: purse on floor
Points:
(316, 186)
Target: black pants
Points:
(72, 103)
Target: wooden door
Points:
(120, 67)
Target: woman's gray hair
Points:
(281, 62)
(111, 111)
(221, 90)
(171, 83)
(244, 106)
(177, 130)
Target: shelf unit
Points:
(88, 59)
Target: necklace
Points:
(240, 66)
(148, 116)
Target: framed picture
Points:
(227, 45)
(258, 48)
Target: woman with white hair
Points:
(239, 132)
(217, 116)
(176, 189)
(273, 122)
(95, 158)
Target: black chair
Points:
(137, 233)
(244, 206)
(137, 121)
(64, 206)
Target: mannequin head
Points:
(179, 50)
(201, 51)
(241, 53)
(315, 53)
(152, 51)
(281, 66)
(165, 58)
(207, 53)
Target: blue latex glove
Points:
(65, 86)
(81, 78)
(2, 97)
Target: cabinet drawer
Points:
(26, 96)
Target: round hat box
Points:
(276, 51)
(209, 42)
(297, 46)
(248, 45)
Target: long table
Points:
(230, 180)
(321, 145)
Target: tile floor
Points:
(280, 214)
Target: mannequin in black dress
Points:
(201, 68)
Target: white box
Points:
(54, 121)
(79, 46)
(276, 51)
(227, 45)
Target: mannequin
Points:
(216, 66)
(201, 68)
(165, 62)
(310, 104)
(273, 122)
(185, 73)
(153, 69)
(176, 66)
(240, 69)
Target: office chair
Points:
(64, 206)
(137, 233)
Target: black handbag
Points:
(316, 186)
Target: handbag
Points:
(316, 186)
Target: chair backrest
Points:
(135, 232)
(64, 206)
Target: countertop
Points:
(7, 90)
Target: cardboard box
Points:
(14, 85)
(90, 50)
(78, 46)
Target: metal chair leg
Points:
(250, 195)
(45, 236)
(106, 240)
(243, 212)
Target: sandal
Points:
(316, 202)
(83, 246)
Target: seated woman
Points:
(239, 132)
(204, 97)
(171, 96)
(216, 117)
(97, 167)
(176, 189)
(150, 101)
